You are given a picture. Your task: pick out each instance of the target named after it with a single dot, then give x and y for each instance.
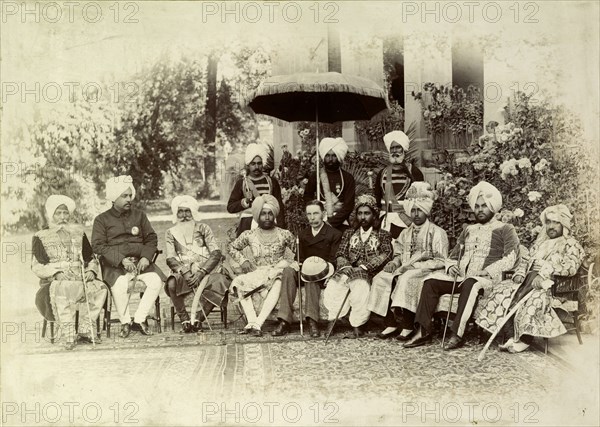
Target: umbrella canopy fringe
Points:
(267, 90)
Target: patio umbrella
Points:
(326, 97)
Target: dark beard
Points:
(332, 167)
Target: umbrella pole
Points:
(317, 154)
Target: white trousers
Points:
(358, 300)
(121, 297)
(268, 305)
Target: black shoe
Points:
(282, 329)
(142, 327)
(125, 330)
(454, 342)
(256, 332)
(84, 339)
(408, 337)
(313, 328)
(197, 326)
(383, 336)
(419, 341)
(187, 327)
(357, 332)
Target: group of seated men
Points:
(391, 261)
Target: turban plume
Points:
(185, 202)
(338, 145)
(421, 196)
(266, 201)
(117, 186)
(253, 150)
(396, 136)
(490, 194)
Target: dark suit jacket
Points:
(323, 245)
(346, 197)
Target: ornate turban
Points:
(54, 201)
(117, 186)
(338, 145)
(369, 201)
(266, 201)
(421, 196)
(185, 202)
(253, 150)
(491, 196)
(559, 213)
(396, 136)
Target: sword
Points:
(87, 303)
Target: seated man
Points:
(272, 250)
(420, 249)
(337, 186)
(555, 253)
(192, 254)
(254, 183)
(57, 256)
(393, 181)
(482, 253)
(319, 240)
(363, 252)
(126, 241)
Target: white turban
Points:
(54, 201)
(421, 196)
(117, 186)
(491, 196)
(266, 201)
(559, 213)
(185, 202)
(253, 150)
(396, 136)
(338, 145)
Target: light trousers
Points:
(357, 301)
(121, 297)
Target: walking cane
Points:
(87, 303)
(452, 295)
(196, 301)
(299, 286)
(506, 318)
(336, 317)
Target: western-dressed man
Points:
(393, 181)
(483, 252)
(271, 263)
(420, 249)
(253, 184)
(318, 240)
(192, 255)
(363, 252)
(126, 242)
(62, 258)
(337, 185)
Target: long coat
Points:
(116, 236)
(374, 254)
(324, 245)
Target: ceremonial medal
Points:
(338, 188)
(135, 231)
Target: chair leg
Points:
(44, 326)
(76, 321)
(577, 328)
(172, 318)
(52, 332)
(158, 319)
(107, 320)
(224, 304)
(546, 345)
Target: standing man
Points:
(363, 253)
(318, 240)
(482, 253)
(393, 181)
(192, 254)
(253, 184)
(271, 263)
(126, 241)
(337, 186)
(56, 259)
(420, 249)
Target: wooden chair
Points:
(222, 310)
(108, 303)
